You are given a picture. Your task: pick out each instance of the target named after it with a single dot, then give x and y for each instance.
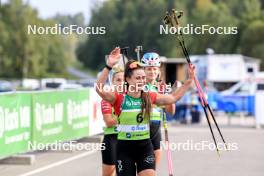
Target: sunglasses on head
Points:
(134, 65)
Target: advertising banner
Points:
(15, 123)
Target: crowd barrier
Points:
(47, 117)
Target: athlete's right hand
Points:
(191, 72)
(113, 57)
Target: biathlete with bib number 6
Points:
(135, 154)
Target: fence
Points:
(47, 117)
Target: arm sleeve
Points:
(106, 107)
(118, 102)
(153, 96)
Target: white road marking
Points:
(41, 169)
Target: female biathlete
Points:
(151, 63)
(135, 152)
(110, 131)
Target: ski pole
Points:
(168, 152)
(138, 50)
(173, 21)
(124, 52)
(166, 134)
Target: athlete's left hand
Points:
(113, 57)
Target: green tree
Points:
(128, 23)
(136, 22)
(28, 55)
(215, 15)
(251, 43)
(66, 20)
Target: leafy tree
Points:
(251, 43)
(128, 23)
(67, 20)
(28, 55)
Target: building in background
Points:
(221, 70)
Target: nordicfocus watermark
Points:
(65, 146)
(204, 29)
(132, 88)
(59, 29)
(190, 145)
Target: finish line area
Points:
(244, 159)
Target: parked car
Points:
(241, 96)
(70, 86)
(6, 86)
(30, 84)
(52, 83)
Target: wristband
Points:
(108, 67)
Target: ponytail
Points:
(146, 104)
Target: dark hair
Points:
(145, 97)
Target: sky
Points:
(49, 8)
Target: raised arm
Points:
(111, 61)
(170, 109)
(175, 95)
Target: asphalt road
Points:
(245, 158)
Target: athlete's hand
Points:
(113, 57)
(191, 72)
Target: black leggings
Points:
(109, 154)
(155, 135)
(134, 156)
